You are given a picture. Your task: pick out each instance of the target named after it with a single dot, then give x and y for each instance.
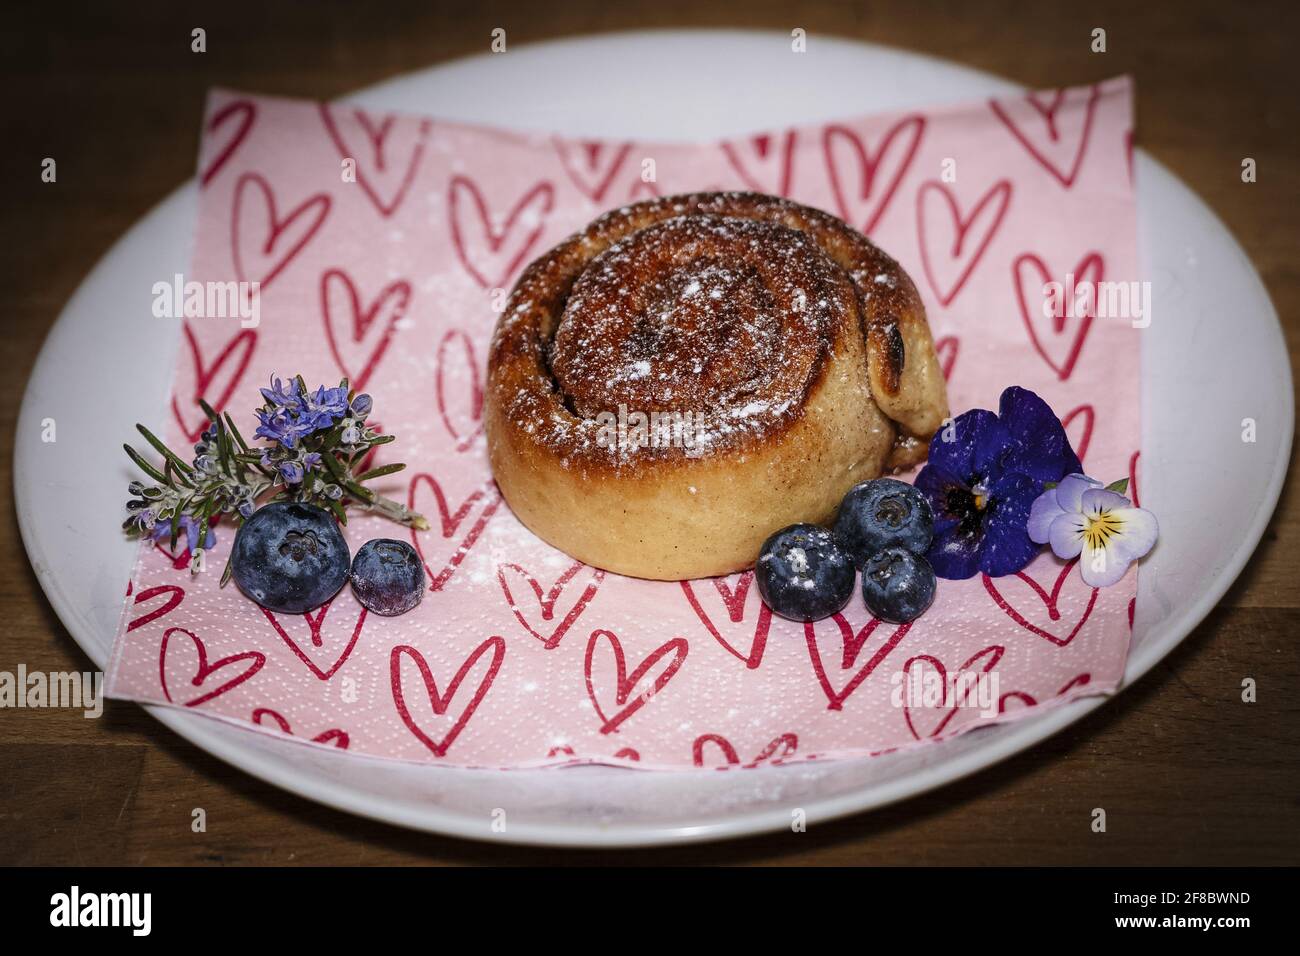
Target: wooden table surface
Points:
(1187, 773)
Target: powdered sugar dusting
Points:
(724, 317)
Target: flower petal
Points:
(1101, 567)
(1007, 547)
(936, 484)
(1069, 493)
(955, 554)
(1096, 500)
(1066, 535)
(1138, 532)
(953, 446)
(1042, 513)
(1042, 449)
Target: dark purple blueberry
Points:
(803, 574)
(388, 576)
(897, 585)
(290, 557)
(883, 513)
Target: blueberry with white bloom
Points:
(803, 574)
(897, 585)
(884, 513)
(290, 557)
(1082, 519)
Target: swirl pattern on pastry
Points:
(785, 339)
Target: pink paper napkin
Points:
(519, 656)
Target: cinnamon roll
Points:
(689, 374)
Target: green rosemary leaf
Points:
(225, 574)
(382, 440)
(357, 491)
(225, 447)
(337, 510)
(381, 471)
(1119, 487)
(163, 450)
(176, 529)
(144, 466)
(335, 468)
(207, 410)
(230, 424)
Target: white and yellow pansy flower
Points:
(1082, 518)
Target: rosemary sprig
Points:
(315, 441)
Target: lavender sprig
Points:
(317, 440)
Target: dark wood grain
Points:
(1186, 772)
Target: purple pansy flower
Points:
(984, 472)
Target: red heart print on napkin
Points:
(546, 603)
(263, 243)
(173, 600)
(863, 181)
(1057, 338)
(490, 248)
(851, 646)
(191, 661)
(359, 335)
(624, 683)
(386, 150)
(1028, 700)
(774, 752)
(458, 387)
(1024, 600)
(955, 692)
(765, 163)
(421, 725)
(945, 350)
(952, 244)
(1053, 127)
(444, 546)
(334, 736)
(1133, 478)
(1080, 435)
(213, 381)
(237, 117)
(734, 593)
(322, 654)
(591, 165)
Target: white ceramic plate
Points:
(1214, 355)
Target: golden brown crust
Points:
(799, 351)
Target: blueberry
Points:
(803, 574)
(884, 513)
(290, 557)
(897, 585)
(388, 576)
